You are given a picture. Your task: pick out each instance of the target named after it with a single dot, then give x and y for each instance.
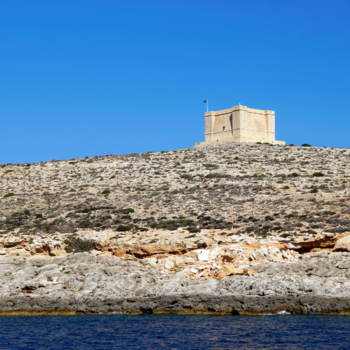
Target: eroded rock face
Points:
(199, 216)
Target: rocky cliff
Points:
(228, 229)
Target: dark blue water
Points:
(175, 332)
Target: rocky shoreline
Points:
(228, 229)
(200, 305)
(84, 283)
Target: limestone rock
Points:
(326, 242)
(228, 270)
(150, 261)
(343, 245)
(249, 272)
(169, 264)
(204, 255)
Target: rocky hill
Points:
(231, 228)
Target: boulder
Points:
(229, 255)
(169, 264)
(151, 261)
(228, 270)
(342, 245)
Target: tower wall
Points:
(239, 124)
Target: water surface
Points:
(175, 332)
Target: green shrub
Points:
(318, 174)
(164, 225)
(285, 235)
(217, 176)
(75, 245)
(126, 210)
(123, 228)
(185, 222)
(186, 177)
(314, 190)
(106, 192)
(261, 234)
(8, 171)
(295, 175)
(305, 145)
(9, 195)
(172, 224)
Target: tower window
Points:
(223, 128)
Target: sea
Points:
(116, 331)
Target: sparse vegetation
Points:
(75, 245)
(123, 228)
(186, 176)
(126, 210)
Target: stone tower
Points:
(239, 124)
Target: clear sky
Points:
(83, 78)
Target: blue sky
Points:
(83, 78)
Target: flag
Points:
(205, 101)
